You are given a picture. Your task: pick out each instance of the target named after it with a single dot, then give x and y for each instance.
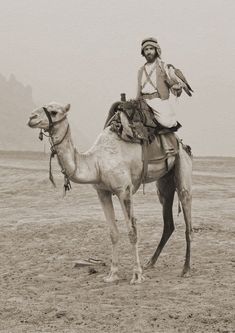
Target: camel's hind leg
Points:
(183, 179)
(107, 204)
(126, 202)
(166, 191)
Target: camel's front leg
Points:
(107, 204)
(127, 206)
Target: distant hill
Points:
(16, 103)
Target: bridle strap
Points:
(54, 144)
(67, 185)
(49, 118)
(52, 123)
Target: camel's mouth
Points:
(33, 125)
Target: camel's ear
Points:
(67, 107)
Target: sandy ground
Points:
(42, 236)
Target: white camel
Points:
(114, 166)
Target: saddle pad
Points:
(163, 146)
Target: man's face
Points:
(150, 53)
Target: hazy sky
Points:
(88, 52)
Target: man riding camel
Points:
(155, 82)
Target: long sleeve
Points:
(140, 72)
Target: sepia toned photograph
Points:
(117, 166)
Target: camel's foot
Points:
(112, 277)
(138, 277)
(149, 264)
(186, 272)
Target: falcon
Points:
(178, 77)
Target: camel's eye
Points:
(53, 113)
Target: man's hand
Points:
(176, 89)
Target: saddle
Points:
(134, 122)
(140, 125)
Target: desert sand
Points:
(43, 236)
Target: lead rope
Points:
(53, 152)
(40, 135)
(67, 184)
(50, 169)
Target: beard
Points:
(151, 57)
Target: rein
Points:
(67, 184)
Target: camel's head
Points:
(48, 115)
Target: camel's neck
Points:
(80, 168)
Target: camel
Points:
(114, 167)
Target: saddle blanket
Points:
(162, 147)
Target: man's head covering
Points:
(153, 42)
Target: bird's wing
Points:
(172, 76)
(181, 76)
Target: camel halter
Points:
(67, 184)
